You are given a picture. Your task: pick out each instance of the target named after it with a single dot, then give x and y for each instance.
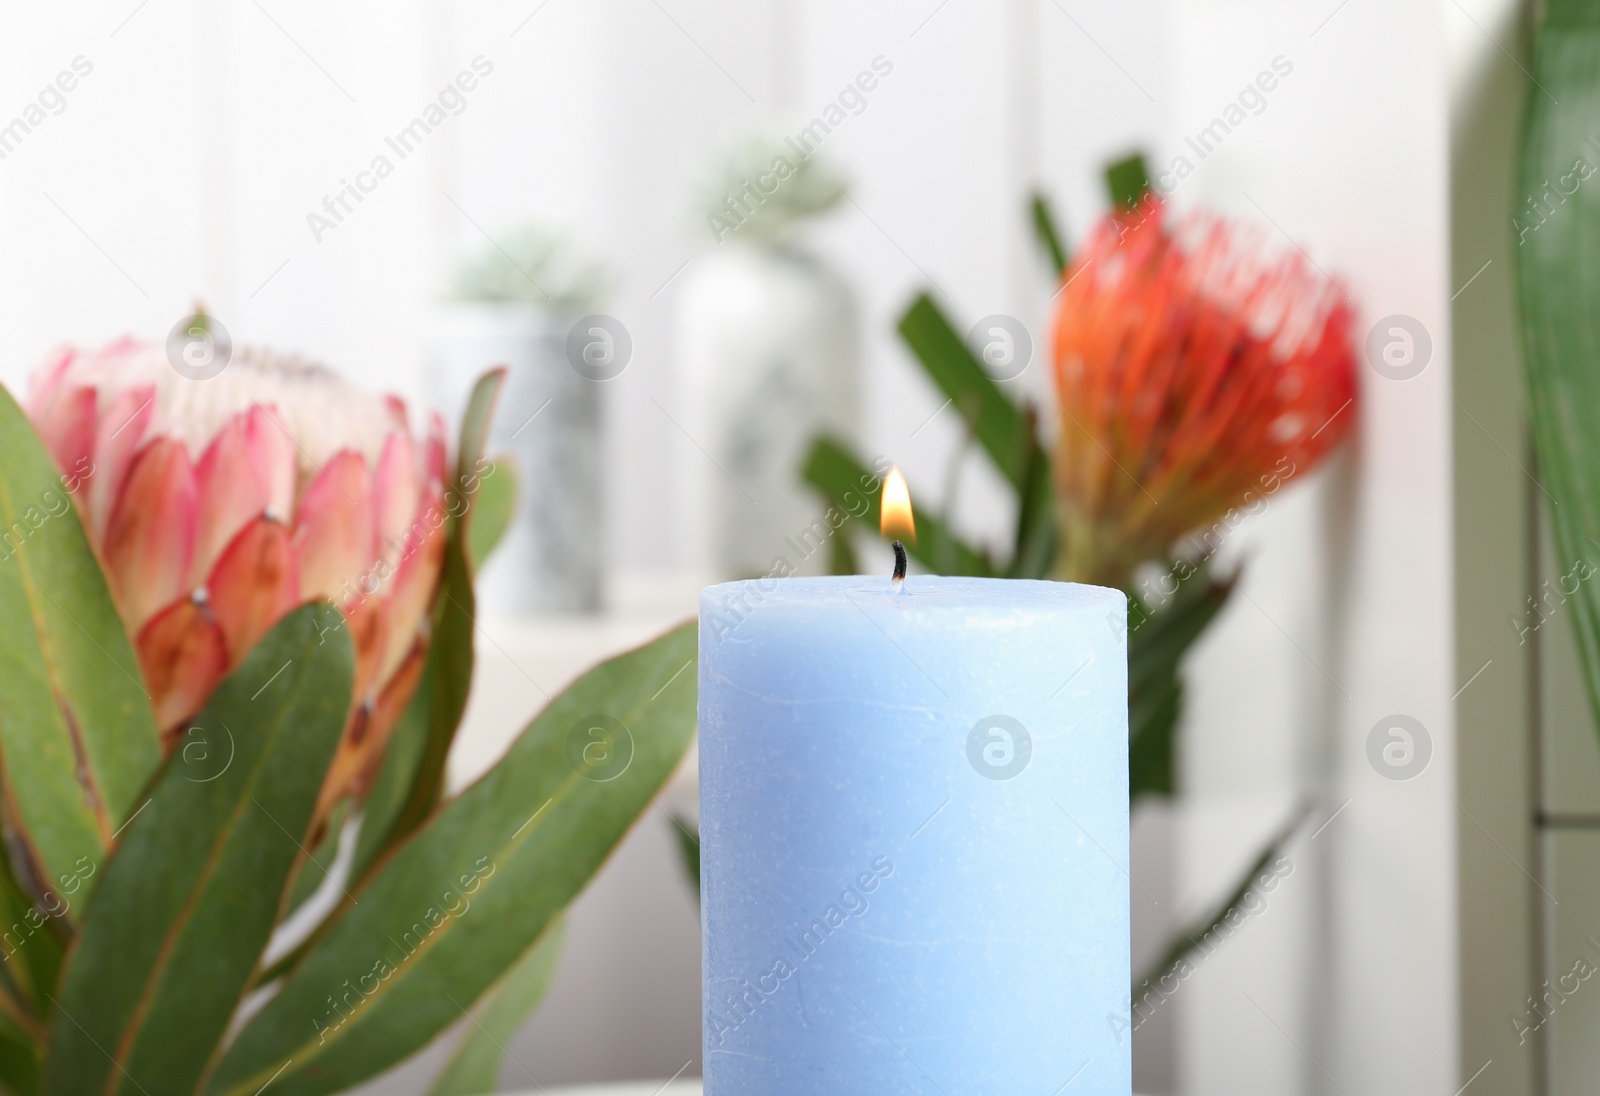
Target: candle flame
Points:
(895, 511)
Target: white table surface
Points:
(632, 1088)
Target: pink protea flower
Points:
(218, 505)
(1195, 372)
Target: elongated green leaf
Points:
(77, 738)
(19, 1061)
(1558, 274)
(997, 423)
(1157, 642)
(396, 776)
(450, 656)
(448, 911)
(1127, 181)
(1044, 227)
(689, 850)
(493, 507)
(839, 474)
(188, 901)
(311, 870)
(475, 1067)
(1038, 535)
(31, 938)
(1189, 939)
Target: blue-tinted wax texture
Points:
(914, 826)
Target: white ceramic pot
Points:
(549, 421)
(766, 345)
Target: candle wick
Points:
(897, 580)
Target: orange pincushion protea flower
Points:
(1190, 371)
(216, 506)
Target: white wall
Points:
(186, 165)
(1347, 983)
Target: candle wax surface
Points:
(914, 826)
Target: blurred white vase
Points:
(766, 341)
(549, 422)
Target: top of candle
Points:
(930, 593)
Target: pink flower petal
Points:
(150, 537)
(415, 583)
(253, 584)
(437, 451)
(333, 539)
(231, 493)
(395, 493)
(272, 458)
(50, 382)
(122, 427)
(67, 428)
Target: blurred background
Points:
(377, 186)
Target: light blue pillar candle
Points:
(914, 837)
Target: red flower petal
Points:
(1190, 371)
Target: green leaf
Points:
(475, 1066)
(78, 740)
(840, 476)
(689, 849)
(32, 938)
(998, 424)
(1044, 226)
(1038, 535)
(493, 507)
(1128, 181)
(1558, 275)
(189, 899)
(1157, 642)
(311, 870)
(1189, 939)
(396, 776)
(19, 1061)
(448, 676)
(451, 909)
